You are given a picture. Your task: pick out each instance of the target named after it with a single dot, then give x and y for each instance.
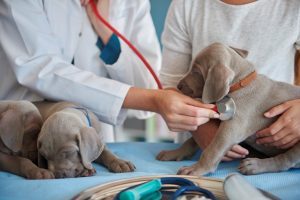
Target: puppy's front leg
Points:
(113, 163)
(224, 139)
(23, 167)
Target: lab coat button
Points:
(80, 34)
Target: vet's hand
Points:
(285, 132)
(103, 8)
(236, 152)
(181, 112)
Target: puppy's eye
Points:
(69, 154)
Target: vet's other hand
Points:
(181, 112)
(285, 132)
(236, 152)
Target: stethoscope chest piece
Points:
(226, 108)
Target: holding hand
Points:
(181, 112)
(285, 132)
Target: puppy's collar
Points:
(86, 113)
(243, 82)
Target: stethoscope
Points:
(225, 107)
(158, 188)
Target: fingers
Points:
(196, 103)
(240, 150)
(236, 152)
(190, 121)
(198, 112)
(286, 140)
(176, 127)
(226, 159)
(274, 128)
(263, 133)
(289, 145)
(277, 110)
(274, 139)
(234, 155)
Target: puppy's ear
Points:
(12, 129)
(217, 83)
(90, 146)
(241, 52)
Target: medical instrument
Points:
(236, 187)
(226, 108)
(142, 191)
(146, 63)
(111, 189)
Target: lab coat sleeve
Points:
(176, 46)
(141, 33)
(37, 61)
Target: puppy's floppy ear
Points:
(90, 146)
(217, 83)
(241, 52)
(12, 129)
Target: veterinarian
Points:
(57, 50)
(268, 30)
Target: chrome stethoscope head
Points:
(226, 108)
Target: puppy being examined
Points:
(220, 71)
(20, 124)
(70, 140)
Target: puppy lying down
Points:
(20, 124)
(220, 71)
(70, 140)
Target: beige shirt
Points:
(268, 29)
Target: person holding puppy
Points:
(58, 50)
(268, 30)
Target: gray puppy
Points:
(20, 124)
(70, 140)
(217, 71)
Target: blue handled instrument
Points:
(156, 188)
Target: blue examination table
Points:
(285, 185)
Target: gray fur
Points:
(216, 68)
(69, 145)
(20, 123)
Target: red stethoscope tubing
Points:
(133, 48)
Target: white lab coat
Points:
(40, 38)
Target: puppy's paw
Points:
(39, 173)
(194, 170)
(88, 172)
(120, 166)
(250, 166)
(172, 155)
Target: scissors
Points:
(163, 188)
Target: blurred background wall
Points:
(153, 129)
